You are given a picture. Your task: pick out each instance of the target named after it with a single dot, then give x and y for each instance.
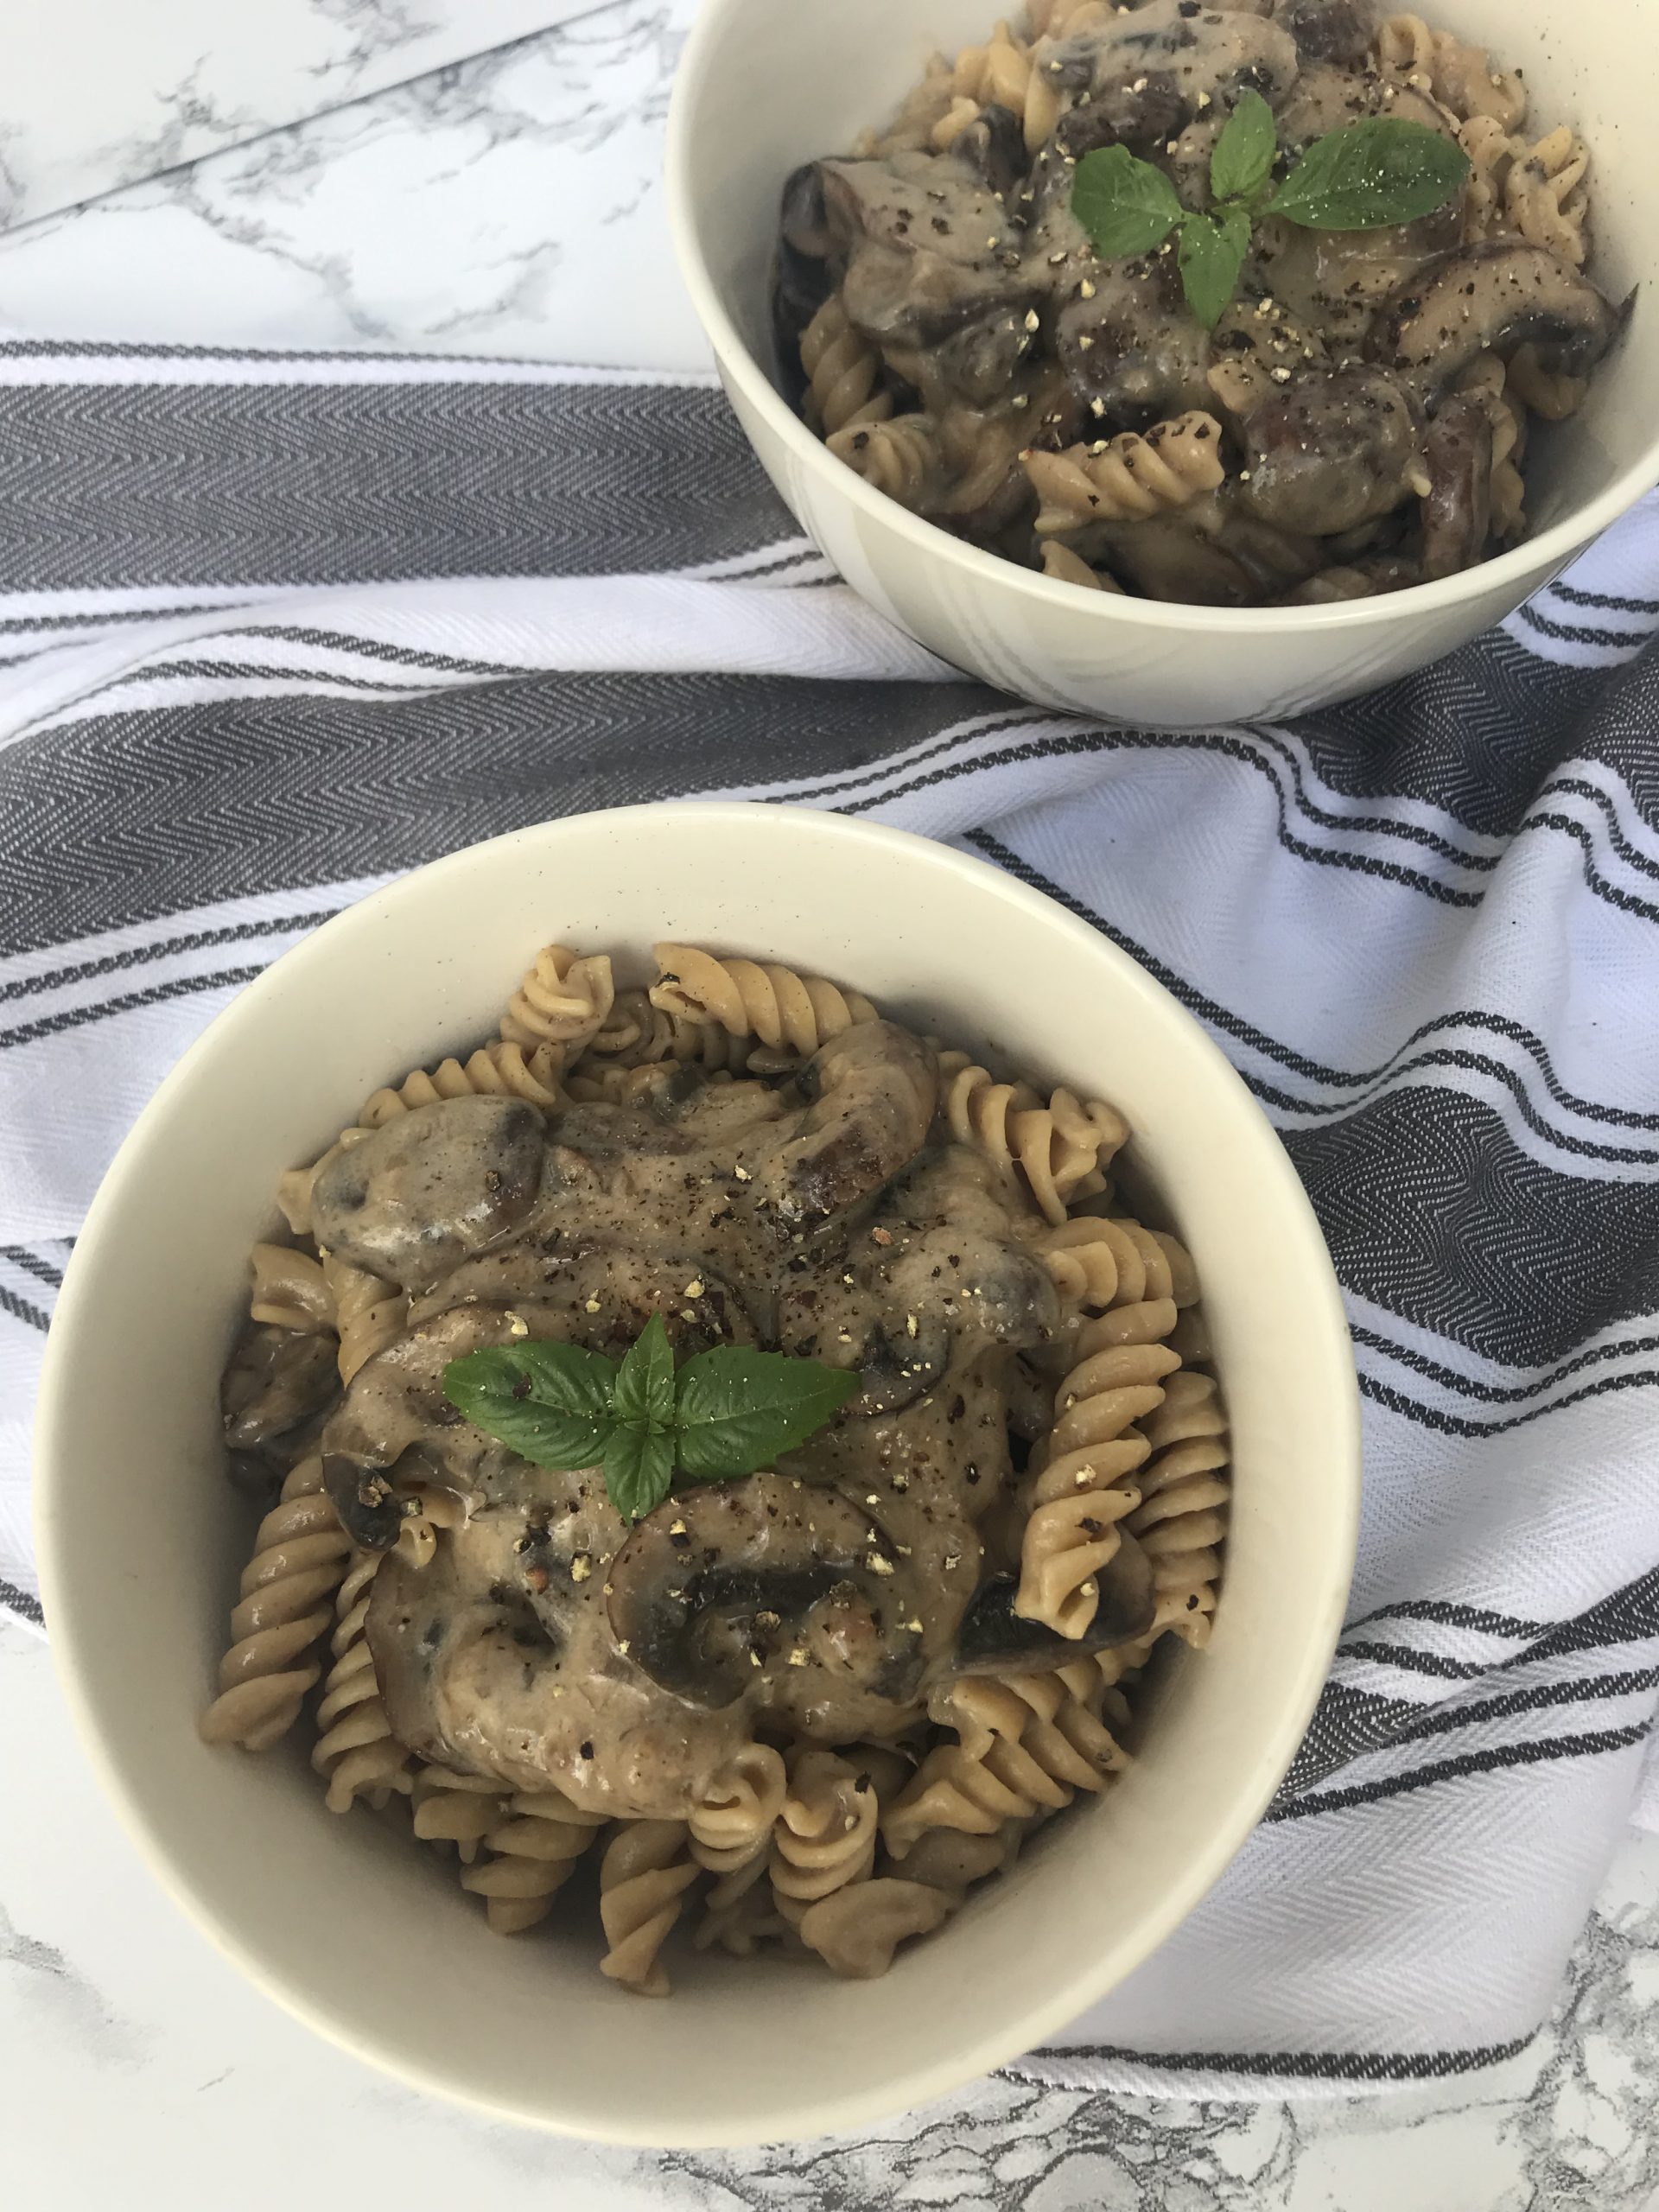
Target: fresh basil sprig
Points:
(1382, 170)
(725, 1413)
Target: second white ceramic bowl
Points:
(142, 1539)
(765, 86)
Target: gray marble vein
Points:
(96, 94)
(488, 206)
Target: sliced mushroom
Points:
(1173, 559)
(1132, 349)
(428, 1190)
(1458, 507)
(1157, 66)
(1329, 30)
(1493, 297)
(1331, 452)
(993, 149)
(873, 1088)
(806, 274)
(277, 1381)
(396, 1402)
(724, 1580)
(993, 1637)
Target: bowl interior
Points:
(141, 1540)
(768, 87)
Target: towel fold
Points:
(273, 629)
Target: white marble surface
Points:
(98, 93)
(511, 205)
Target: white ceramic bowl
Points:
(141, 1538)
(764, 86)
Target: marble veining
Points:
(95, 94)
(487, 207)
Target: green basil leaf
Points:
(736, 1410)
(1126, 206)
(549, 1402)
(1242, 159)
(644, 1384)
(639, 1468)
(1382, 171)
(1212, 254)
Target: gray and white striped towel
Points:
(272, 629)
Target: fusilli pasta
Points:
(825, 1833)
(772, 1004)
(1546, 198)
(1460, 76)
(497, 1069)
(1079, 1484)
(1127, 478)
(1180, 1519)
(285, 1609)
(1069, 567)
(1001, 72)
(456, 1808)
(1055, 1149)
(843, 372)
(533, 1852)
(731, 1824)
(369, 1314)
(855, 1931)
(563, 1000)
(1488, 380)
(355, 1749)
(643, 1878)
(899, 456)
(290, 1291)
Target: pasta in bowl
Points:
(725, 1471)
(1180, 366)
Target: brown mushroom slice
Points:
(994, 1639)
(1329, 30)
(1493, 297)
(396, 1402)
(600, 1291)
(1331, 452)
(277, 1381)
(430, 1189)
(873, 1091)
(1458, 507)
(725, 1579)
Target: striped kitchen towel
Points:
(275, 628)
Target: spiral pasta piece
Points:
(369, 1314)
(899, 456)
(976, 1795)
(774, 1005)
(1551, 394)
(563, 1000)
(1051, 1721)
(1135, 1281)
(856, 1931)
(1127, 478)
(731, 1823)
(1546, 197)
(1491, 150)
(843, 372)
(455, 1808)
(498, 1070)
(289, 1290)
(355, 1749)
(1460, 77)
(285, 1609)
(427, 1514)
(1069, 567)
(643, 1878)
(1080, 1488)
(825, 1833)
(952, 1860)
(1002, 74)
(1056, 1149)
(1181, 1520)
(532, 1854)
(1488, 380)
(741, 1912)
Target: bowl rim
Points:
(1522, 569)
(1330, 1349)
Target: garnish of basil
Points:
(724, 1413)
(1379, 171)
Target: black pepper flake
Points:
(586, 1750)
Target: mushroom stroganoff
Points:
(807, 1705)
(1238, 302)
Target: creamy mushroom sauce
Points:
(1354, 463)
(816, 1213)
